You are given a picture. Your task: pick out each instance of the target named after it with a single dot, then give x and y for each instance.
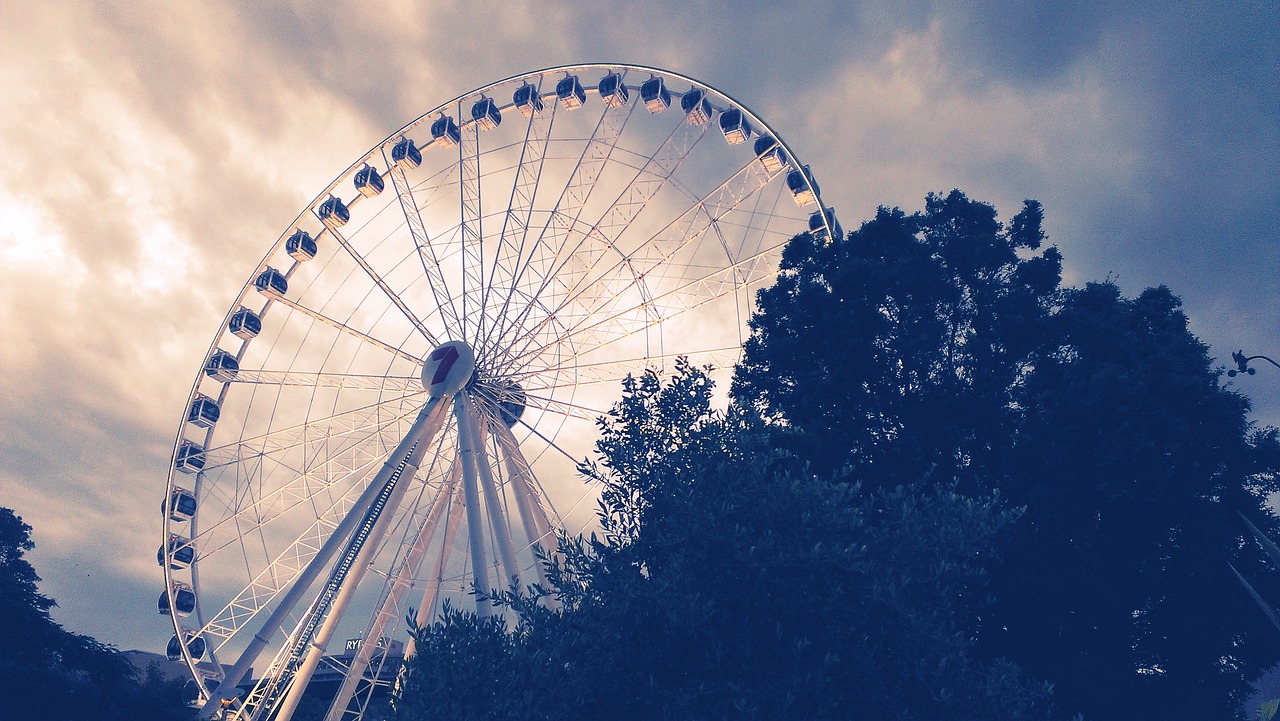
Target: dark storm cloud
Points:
(160, 149)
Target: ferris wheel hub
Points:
(449, 368)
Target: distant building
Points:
(325, 682)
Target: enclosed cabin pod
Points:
(272, 283)
(485, 113)
(181, 505)
(334, 213)
(570, 93)
(734, 125)
(803, 188)
(406, 155)
(184, 600)
(655, 95)
(770, 154)
(696, 107)
(203, 412)
(181, 553)
(369, 181)
(190, 458)
(301, 246)
(245, 324)
(445, 132)
(819, 229)
(612, 90)
(195, 646)
(527, 100)
(222, 366)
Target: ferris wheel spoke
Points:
(548, 250)
(330, 434)
(426, 250)
(619, 324)
(649, 179)
(472, 218)
(382, 285)
(343, 327)
(548, 404)
(342, 381)
(659, 252)
(516, 220)
(263, 588)
(577, 375)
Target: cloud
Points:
(155, 151)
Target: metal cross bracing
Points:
(285, 567)
(574, 269)
(606, 323)
(425, 248)
(509, 260)
(548, 256)
(607, 235)
(350, 480)
(383, 286)
(391, 605)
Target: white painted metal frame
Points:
(569, 248)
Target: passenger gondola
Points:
(527, 100)
(486, 114)
(770, 153)
(734, 125)
(334, 213)
(406, 155)
(612, 90)
(445, 132)
(196, 646)
(696, 106)
(802, 186)
(245, 324)
(203, 412)
(190, 458)
(819, 229)
(655, 95)
(570, 93)
(181, 505)
(184, 600)
(369, 181)
(272, 283)
(301, 246)
(222, 366)
(181, 553)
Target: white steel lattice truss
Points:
(567, 245)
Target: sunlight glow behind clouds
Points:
(155, 151)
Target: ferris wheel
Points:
(394, 407)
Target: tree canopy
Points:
(944, 477)
(47, 672)
(945, 338)
(731, 582)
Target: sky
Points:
(153, 151)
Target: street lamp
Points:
(1242, 363)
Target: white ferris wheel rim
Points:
(379, 157)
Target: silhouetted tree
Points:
(731, 582)
(47, 672)
(945, 338)
(895, 349)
